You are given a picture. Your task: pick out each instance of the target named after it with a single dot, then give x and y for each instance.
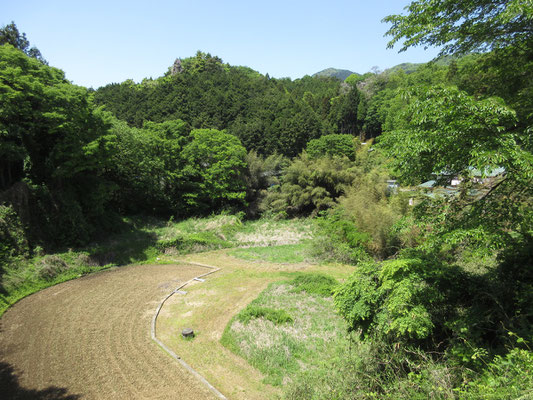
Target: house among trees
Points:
(447, 185)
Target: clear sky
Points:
(98, 42)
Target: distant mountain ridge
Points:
(408, 68)
(340, 74)
(412, 67)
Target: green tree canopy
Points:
(445, 131)
(332, 146)
(62, 140)
(463, 25)
(9, 34)
(310, 185)
(147, 167)
(214, 171)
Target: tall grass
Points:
(282, 348)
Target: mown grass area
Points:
(297, 332)
(143, 240)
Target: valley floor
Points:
(90, 338)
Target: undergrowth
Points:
(280, 347)
(140, 239)
(270, 314)
(377, 370)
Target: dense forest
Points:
(444, 281)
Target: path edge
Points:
(169, 351)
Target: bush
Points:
(12, 236)
(50, 266)
(278, 317)
(310, 186)
(392, 301)
(338, 239)
(368, 204)
(368, 221)
(506, 377)
(314, 283)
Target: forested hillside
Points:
(441, 298)
(340, 74)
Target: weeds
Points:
(275, 316)
(279, 349)
(141, 239)
(193, 243)
(314, 283)
(287, 253)
(50, 266)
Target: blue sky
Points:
(99, 42)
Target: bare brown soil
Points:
(90, 338)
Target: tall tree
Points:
(63, 141)
(9, 34)
(463, 25)
(214, 171)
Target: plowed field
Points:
(90, 338)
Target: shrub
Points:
(392, 301)
(314, 283)
(310, 186)
(12, 236)
(338, 239)
(278, 317)
(506, 377)
(50, 266)
(374, 212)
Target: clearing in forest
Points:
(90, 338)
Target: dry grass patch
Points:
(275, 233)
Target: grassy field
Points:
(208, 308)
(288, 253)
(285, 331)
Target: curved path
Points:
(90, 338)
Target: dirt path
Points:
(90, 338)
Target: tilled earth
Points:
(90, 339)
